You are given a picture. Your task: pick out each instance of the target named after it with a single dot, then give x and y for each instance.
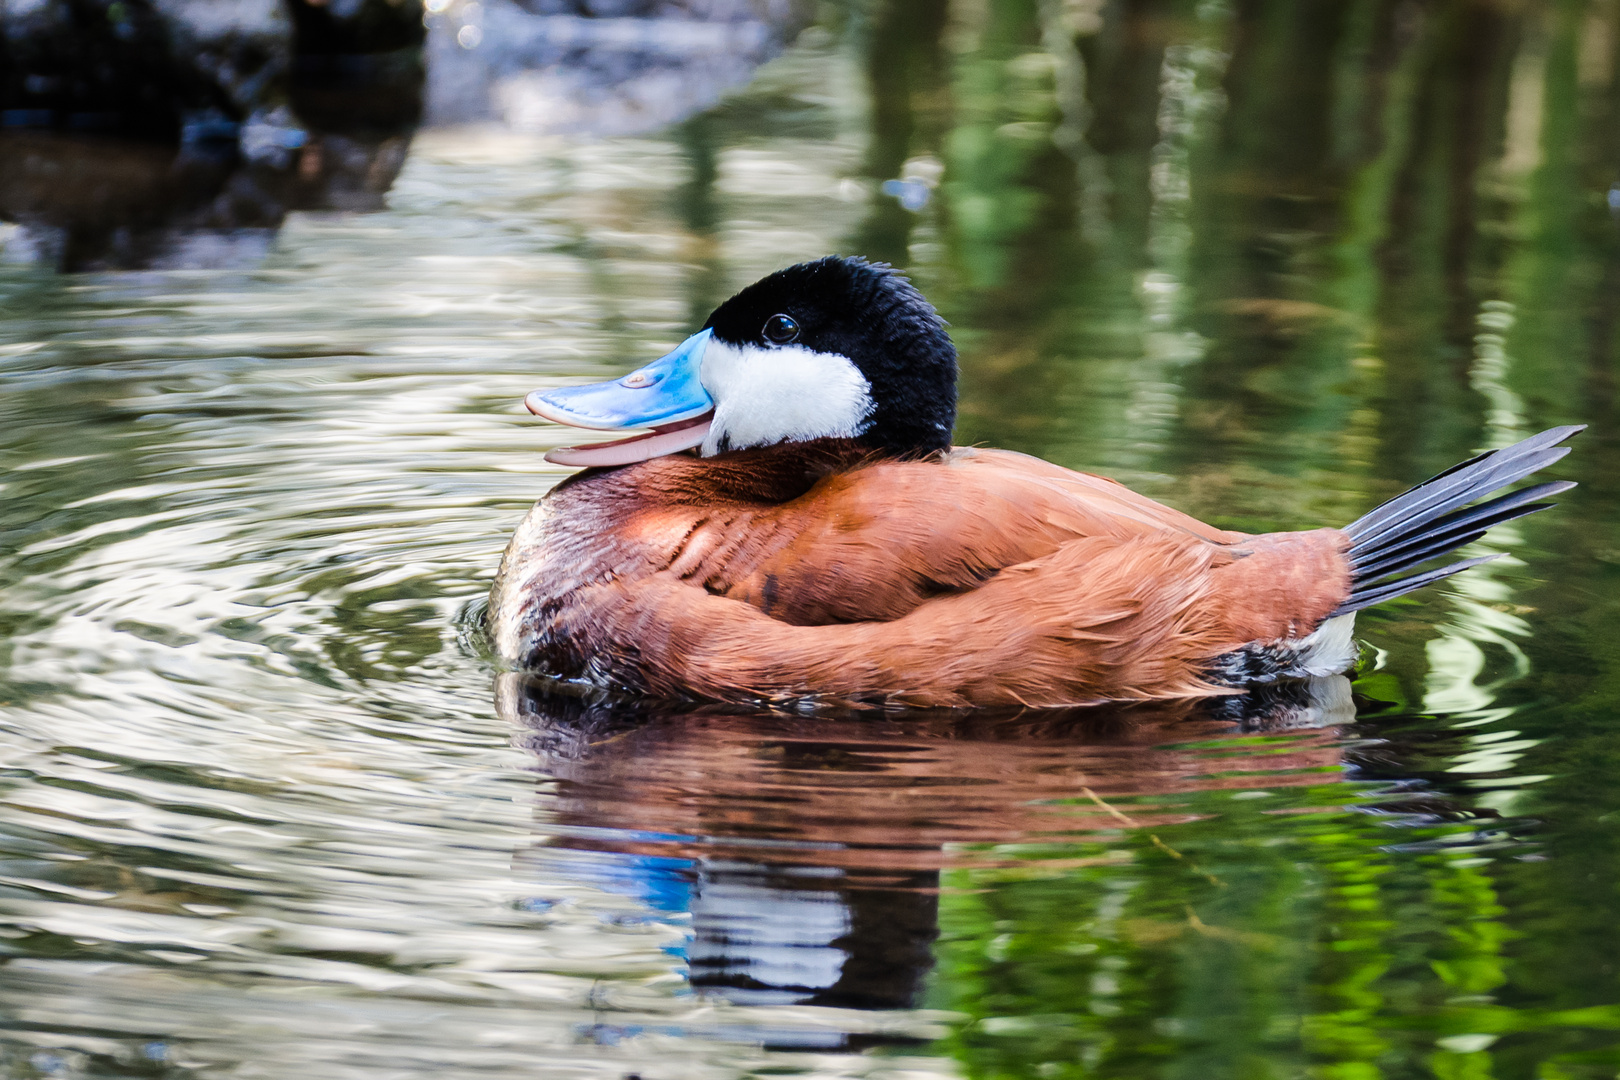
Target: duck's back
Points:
(974, 577)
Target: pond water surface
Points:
(267, 810)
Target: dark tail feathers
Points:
(1431, 519)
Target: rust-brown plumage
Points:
(974, 577)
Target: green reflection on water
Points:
(1268, 261)
(1296, 251)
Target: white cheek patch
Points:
(766, 396)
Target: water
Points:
(266, 810)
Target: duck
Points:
(791, 526)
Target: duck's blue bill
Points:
(666, 391)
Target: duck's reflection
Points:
(806, 851)
(765, 932)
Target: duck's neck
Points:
(767, 474)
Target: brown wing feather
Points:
(876, 542)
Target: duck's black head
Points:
(835, 348)
(841, 343)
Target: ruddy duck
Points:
(797, 527)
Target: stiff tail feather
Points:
(1435, 518)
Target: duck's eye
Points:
(780, 329)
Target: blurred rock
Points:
(153, 70)
(601, 66)
(357, 65)
(138, 133)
